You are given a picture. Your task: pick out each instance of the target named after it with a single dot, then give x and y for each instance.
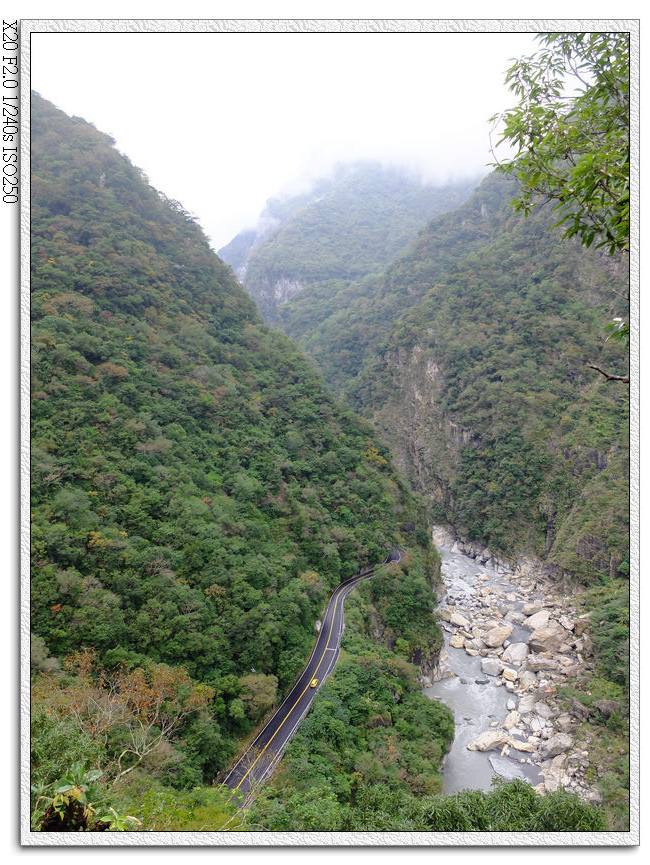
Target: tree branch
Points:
(608, 376)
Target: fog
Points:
(223, 121)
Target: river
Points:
(479, 702)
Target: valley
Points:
(381, 371)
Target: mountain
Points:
(469, 353)
(472, 355)
(197, 491)
(347, 226)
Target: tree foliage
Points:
(571, 133)
(197, 491)
(571, 136)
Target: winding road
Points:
(252, 768)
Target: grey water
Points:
(475, 706)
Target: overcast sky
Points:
(223, 121)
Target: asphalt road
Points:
(264, 752)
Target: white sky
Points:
(223, 121)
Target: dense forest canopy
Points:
(200, 487)
(350, 224)
(197, 493)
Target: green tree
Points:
(571, 131)
(571, 136)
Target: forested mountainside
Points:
(470, 356)
(346, 227)
(197, 493)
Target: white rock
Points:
(535, 663)
(516, 653)
(496, 636)
(567, 623)
(544, 710)
(531, 608)
(537, 620)
(491, 666)
(511, 720)
(489, 740)
(556, 745)
(526, 704)
(518, 745)
(459, 620)
(547, 638)
(527, 679)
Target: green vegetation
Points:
(197, 494)
(346, 227)
(510, 807)
(571, 132)
(470, 356)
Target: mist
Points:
(224, 121)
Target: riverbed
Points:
(479, 702)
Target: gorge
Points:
(202, 482)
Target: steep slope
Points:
(346, 227)
(196, 491)
(469, 353)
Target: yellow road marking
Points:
(329, 636)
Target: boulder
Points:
(488, 741)
(511, 720)
(580, 625)
(516, 653)
(535, 663)
(491, 666)
(537, 620)
(514, 617)
(543, 710)
(555, 745)
(496, 636)
(564, 722)
(459, 620)
(548, 638)
(510, 675)
(607, 707)
(526, 704)
(571, 672)
(518, 745)
(531, 608)
(457, 642)
(527, 679)
(556, 777)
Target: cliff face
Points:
(483, 391)
(469, 353)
